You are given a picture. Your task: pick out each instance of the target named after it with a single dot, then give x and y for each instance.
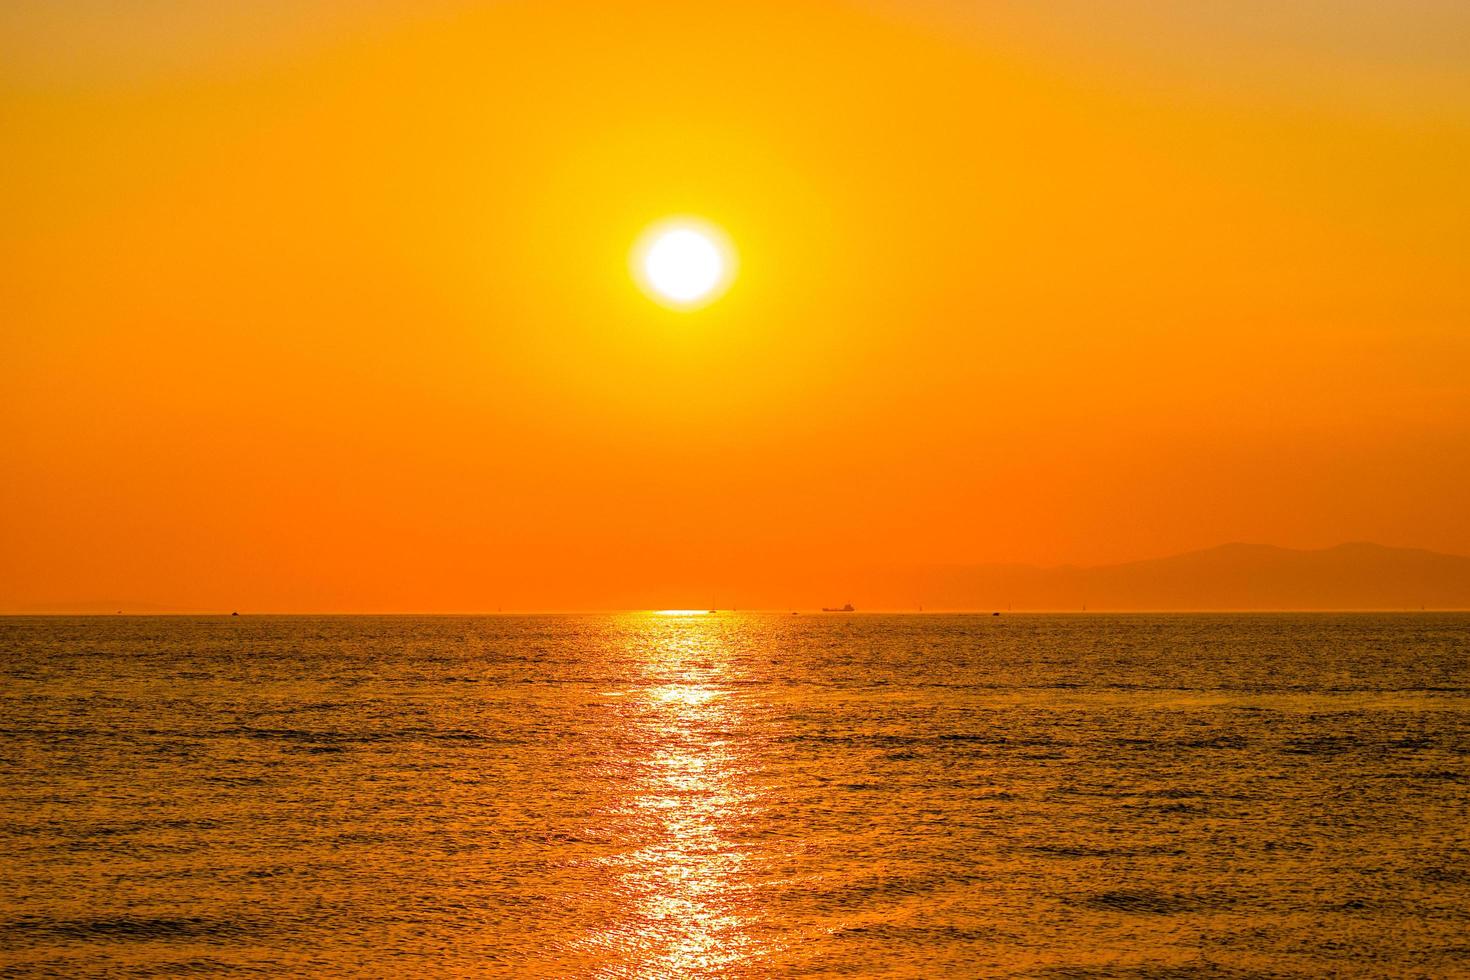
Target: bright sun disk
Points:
(683, 263)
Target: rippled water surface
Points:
(733, 795)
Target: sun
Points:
(683, 263)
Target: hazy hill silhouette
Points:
(1231, 576)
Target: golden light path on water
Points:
(686, 796)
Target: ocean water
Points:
(736, 796)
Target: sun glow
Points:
(684, 263)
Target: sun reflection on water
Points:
(681, 906)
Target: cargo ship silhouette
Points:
(846, 608)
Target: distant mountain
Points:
(1232, 576)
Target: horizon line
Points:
(700, 613)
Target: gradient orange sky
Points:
(315, 306)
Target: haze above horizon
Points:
(1233, 577)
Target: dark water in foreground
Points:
(649, 796)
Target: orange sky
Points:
(327, 306)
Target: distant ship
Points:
(846, 608)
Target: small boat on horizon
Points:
(846, 608)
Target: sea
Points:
(736, 795)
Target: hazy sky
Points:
(327, 306)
